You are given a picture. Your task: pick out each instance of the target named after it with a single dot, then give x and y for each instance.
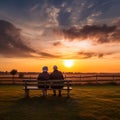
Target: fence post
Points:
(80, 77)
(113, 80)
(96, 79)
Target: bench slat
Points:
(36, 88)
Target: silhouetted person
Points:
(56, 75)
(42, 79)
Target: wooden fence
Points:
(76, 80)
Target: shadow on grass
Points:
(42, 108)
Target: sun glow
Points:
(68, 63)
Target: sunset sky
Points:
(34, 33)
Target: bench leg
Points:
(26, 93)
(68, 93)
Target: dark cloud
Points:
(99, 33)
(85, 55)
(11, 44)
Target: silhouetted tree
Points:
(13, 72)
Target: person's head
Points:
(45, 68)
(55, 67)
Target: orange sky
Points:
(89, 65)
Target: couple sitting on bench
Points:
(55, 75)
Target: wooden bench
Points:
(33, 85)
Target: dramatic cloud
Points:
(13, 45)
(99, 33)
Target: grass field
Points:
(86, 103)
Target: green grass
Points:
(86, 103)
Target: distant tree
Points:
(13, 72)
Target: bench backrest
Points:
(47, 83)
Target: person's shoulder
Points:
(59, 71)
(40, 74)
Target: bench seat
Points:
(36, 88)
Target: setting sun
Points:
(68, 63)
